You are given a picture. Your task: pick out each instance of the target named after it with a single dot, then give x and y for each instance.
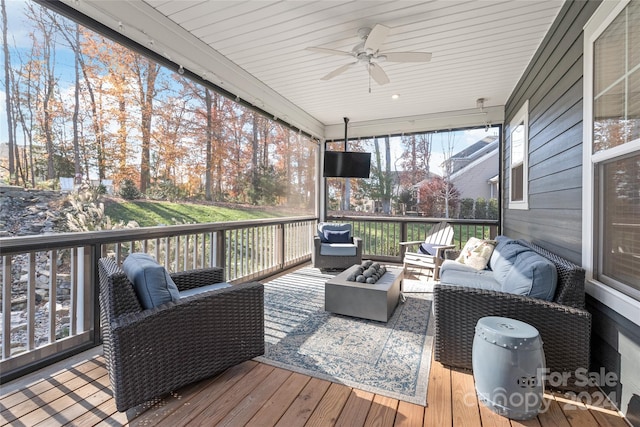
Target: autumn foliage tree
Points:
(433, 196)
(107, 112)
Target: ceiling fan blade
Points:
(337, 71)
(407, 56)
(376, 37)
(329, 51)
(378, 74)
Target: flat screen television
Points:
(347, 164)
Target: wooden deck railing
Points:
(49, 282)
(382, 235)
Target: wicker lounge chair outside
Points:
(564, 324)
(152, 352)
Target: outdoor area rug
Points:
(391, 359)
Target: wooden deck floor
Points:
(257, 394)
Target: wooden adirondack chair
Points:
(428, 253)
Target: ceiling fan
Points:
(367, 52)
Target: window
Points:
(518, 159)
(611, 190)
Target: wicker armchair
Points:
(564, 324)
(152, 352)
(335, 261)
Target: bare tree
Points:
(448, 191)
(382, 187)
(7, 89)
(415, 158)
(48, 61)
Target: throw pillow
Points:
(333, 226)
(337, 236)
(476, 253)
(151, 281)
(427, 249)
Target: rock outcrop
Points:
(31, 212)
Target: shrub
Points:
(492, 209)
(481, 208)
(83, 212)
(466, 208)
(129, 191)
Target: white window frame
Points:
(521, 117)
(616, 300)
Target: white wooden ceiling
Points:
(256, 49)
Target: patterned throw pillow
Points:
(476, 253)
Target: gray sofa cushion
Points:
(338, 249)
(513, 268)
(532, 275)
(201, 289)
(454, 273)
(503, 257)
(151, 281)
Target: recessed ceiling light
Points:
(395, 96)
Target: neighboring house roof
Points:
(478, 158)
(473, 152)
(475, 174)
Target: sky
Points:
(439, 143)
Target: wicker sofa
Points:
(563, 323)
(152, 352)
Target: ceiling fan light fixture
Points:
(367, 52)
(395, 96)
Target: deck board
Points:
(409, 415)
(304, 404)
(356, 409)
(254, 393)
(464, 402)
(382, 413)
(438, 411)
(330, 406)
(277, 405)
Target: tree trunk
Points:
(386, 199)
(7, 89)
(122, 126)
(209, 143)
(254, 160)
(76, 107)
(47, 122)
(147, 114)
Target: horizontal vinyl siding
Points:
(553, 85)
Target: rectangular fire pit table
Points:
(367, 301)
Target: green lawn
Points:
(148, 214)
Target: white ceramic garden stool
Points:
(508, 367)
